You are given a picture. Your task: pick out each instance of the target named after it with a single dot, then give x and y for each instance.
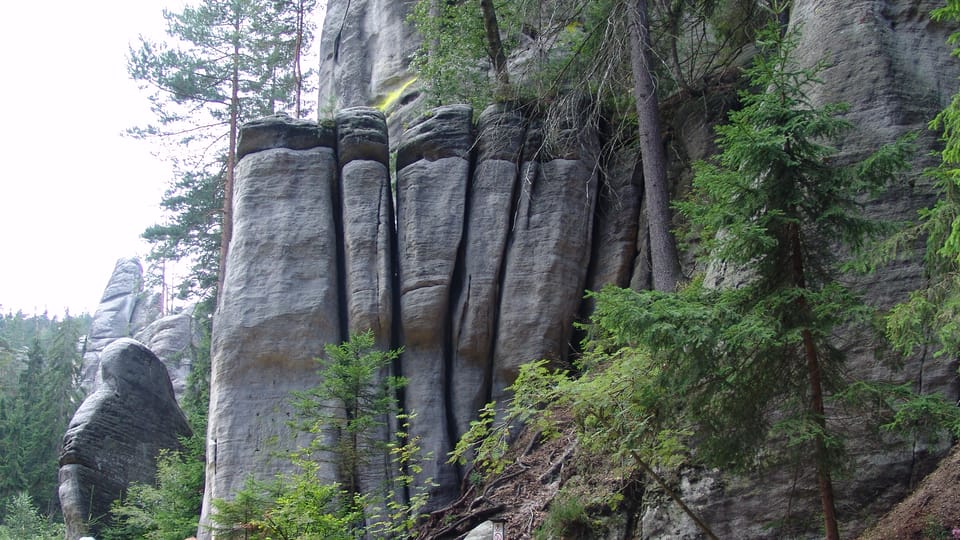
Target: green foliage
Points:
(22, 521)
(226, 62)
(295, 507)
(930, 315)
(168, 510)
(450, 61)
(567, 517)
(354, 402)
(37, 402)
(354, 399)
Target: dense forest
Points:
(40, 363)
(688, 371)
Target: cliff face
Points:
(477, 260)
(478, 266)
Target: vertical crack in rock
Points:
(432, 175)
(547, 260)
(367, 240)
(500, 135)
(614, 245)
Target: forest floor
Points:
(931, 512)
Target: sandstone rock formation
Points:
(128, 310)
(174, 339)
(124, 309)
(480, 262)
(115, 435)
(366, 47)
(281, 299)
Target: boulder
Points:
(115, 436)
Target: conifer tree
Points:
(227, 61)
(754, 359)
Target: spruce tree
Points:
(754, 358)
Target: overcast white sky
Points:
(74, 194)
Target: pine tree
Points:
(34, 418)
(228, 61)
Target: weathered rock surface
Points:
(368, 239)
(368, 222)
(115, 435)
(549, 252)
(174, 339)
(128, 310)
(279, 306)
(501, 131)
(366, 47)
(433, 168)
(124, 309)
(481, 262)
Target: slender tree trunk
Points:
(227, 227)
(298, 50)
(814, 373)
(495, 46)
(673, 495)
(663, 247)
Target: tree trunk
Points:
(495, 46)
(227, 226)
(814, 373)
(297, 71)
(663, 248)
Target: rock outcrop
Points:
(127, 310)
(365, 51)
(115, 436)
(479, 260)
(281, 299)
(124, 310)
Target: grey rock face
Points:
(367, 213)
(123, 310)
(279, 306)
(546, 261)
(115, 435)
(474, 320)
(433, 170)
(366, 209)
(366, 47)
(174, 339)
(127, 310)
